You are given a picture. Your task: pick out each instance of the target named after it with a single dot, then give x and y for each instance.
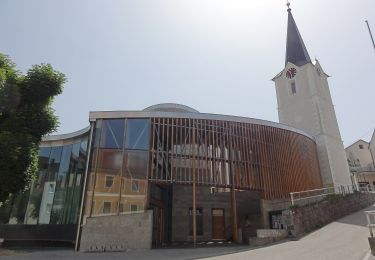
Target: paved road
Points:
(343, 239)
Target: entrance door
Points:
(218, 224)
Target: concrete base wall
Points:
(117, 233)
(263, 233)
(267, 236)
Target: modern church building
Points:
(170, 174)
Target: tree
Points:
(25, 116)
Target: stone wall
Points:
(117, 233)
(304, 219)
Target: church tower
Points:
(304, 102)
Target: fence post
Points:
(369, 223)
(292, 198)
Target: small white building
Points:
(361, 162)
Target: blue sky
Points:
(217, 56)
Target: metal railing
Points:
(310, 196)
(360, 169)
(370, 216)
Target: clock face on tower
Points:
(290, 73)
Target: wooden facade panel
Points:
(264, 158)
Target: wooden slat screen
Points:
(268, 159)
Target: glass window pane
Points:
(109, 181)
(5, 211)
(54, 162)
(135, 186)
(134, 194)
(56, 216)
(107, 207)
(46, 198)
(82, 156)
(75, 151)
(137, 134)
(121, 207)
(20, 201)
(43, 189)
(112, 133)
(76, 190)
(136, 165)
(133, 208)
(64, 166)
(97, 131)
(109, 161)
(44, 153)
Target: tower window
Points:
(293, 88)
(361, 146)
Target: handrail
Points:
(311, 190)
(369, 224)
(318, 193)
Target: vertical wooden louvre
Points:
(263, 158)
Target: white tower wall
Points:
(311, 109)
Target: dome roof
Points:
(171, 107)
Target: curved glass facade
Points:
(54, 196)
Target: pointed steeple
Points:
(296, 51)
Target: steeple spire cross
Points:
(288, 5)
